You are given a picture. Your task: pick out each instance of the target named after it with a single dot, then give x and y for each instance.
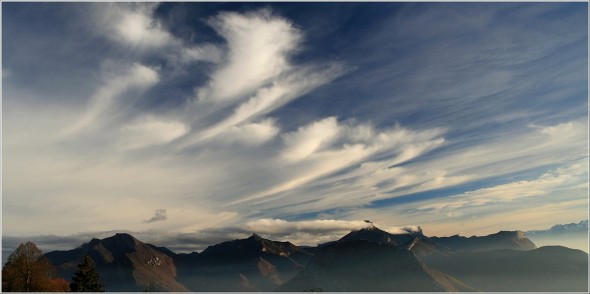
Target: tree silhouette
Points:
(86, 278)
(26, 270)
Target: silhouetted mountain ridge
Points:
(501, 240)
(412, 240)
(369, 259)
(251, 264)
(124, 264)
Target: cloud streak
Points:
(116, 83)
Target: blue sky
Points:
(205, 121)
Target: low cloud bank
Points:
(308, 233)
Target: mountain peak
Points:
(514, 234)
(255, 237)
(123, 236)
(374, 234)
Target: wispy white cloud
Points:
(347, 146)
(252, 133)
(368, 179)
(308, 139)
(254, 76)
(258, 45)
(138, 29)
(135, 27)
(131, 25)
(568, 177)
(266, 99)
(150, 130)
(279, 226)
(560, 193)
(115, 83)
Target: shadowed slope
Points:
(546, 269)
(361, 265)
(124, 264)
(251, 264)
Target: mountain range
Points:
(369, 259)
(572, 235)
(581, 227)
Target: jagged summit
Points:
(255, 237)
(252, 263)
(517, 234)
(122, 236)
(252, 246)
(411, 238)
(374, 234)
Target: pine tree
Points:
(85, 279)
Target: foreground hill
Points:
(251, 264)
(124, 264)
(546, 269)
(362, 265)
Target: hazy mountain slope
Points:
(361, 265)
(252, 264)
(502, 240)
(573, 235)
(124, 264)
(546, 269)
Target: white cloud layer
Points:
(279, 226)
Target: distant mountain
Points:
(562, 229)
(124, 264)
(252, 264)
(364, 265)
(502, 240)
(414, 241)
(546, 269)
(573, 235)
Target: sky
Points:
(187, 124)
